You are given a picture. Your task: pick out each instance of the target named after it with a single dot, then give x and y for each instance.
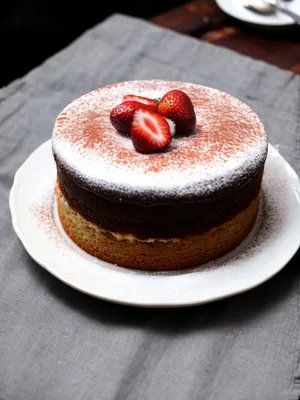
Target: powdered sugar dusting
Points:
(41, 210)
(273, 217)
(228, 144)
(44, 212)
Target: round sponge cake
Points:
(173, 209)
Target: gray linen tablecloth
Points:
(56, 343)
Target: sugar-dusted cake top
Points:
(228, 146)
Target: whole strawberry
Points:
(177, 106)
(121, 116)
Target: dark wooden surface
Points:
(204, 20)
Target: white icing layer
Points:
(228, 144)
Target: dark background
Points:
(33, 30)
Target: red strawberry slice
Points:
(177, 106)
(121, 116)
(140, 99)
(150, 131)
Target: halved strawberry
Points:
(150, 131)
(140, 99)
(177, 106)
(121, 116)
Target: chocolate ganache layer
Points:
(199, 181)
(163, 220)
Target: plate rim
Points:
(187, 303)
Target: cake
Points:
(180, 207)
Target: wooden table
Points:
(204, 20)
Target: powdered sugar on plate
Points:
(264, 253)
(229, 143)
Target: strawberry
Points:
(140, 99)
(150, 131)
(121, 116)
(177, 106)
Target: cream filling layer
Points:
(132, 238)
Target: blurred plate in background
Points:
(236, 9)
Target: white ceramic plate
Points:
(236, 9)
(267, 249)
